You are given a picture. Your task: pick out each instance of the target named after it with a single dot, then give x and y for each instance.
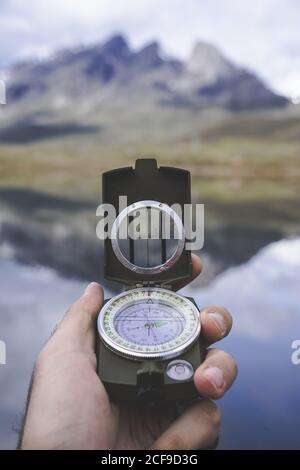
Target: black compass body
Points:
(148, 336)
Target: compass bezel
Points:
(154, 355)
(164, 209)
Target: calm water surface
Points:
(260, 411)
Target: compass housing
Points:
(159, 187)
(132, 366)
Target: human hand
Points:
(69, 408)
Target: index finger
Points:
(216, 323)
(197, 269)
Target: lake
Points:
(261, 411)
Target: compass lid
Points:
(151, 192)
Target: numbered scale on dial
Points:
(149, 323)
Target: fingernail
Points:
(215, 376)
(90, 288)
(219, 321)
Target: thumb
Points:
(76, 331)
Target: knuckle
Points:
(44, 356)
(40, 361)
(225, 358)
(213, 415)
(228, 362)
(216, 418)
(175, 442)
(235, 367)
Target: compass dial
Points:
(149, 323)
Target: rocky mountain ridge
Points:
(113, 70)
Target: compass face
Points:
(149, 323)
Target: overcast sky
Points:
(261, 34)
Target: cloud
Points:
(262, 34)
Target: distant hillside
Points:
(112, 72)
(82, 112)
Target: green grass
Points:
(245, 168)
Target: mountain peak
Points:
(153, 46)
(208, 78)
(149, 57)
(116, 46)
(203, 47)
(150, 50)
(207, 59)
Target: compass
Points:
(149, 323)
(148, 337)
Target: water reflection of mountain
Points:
(261, 411)
(59, 232)
(262, 293)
